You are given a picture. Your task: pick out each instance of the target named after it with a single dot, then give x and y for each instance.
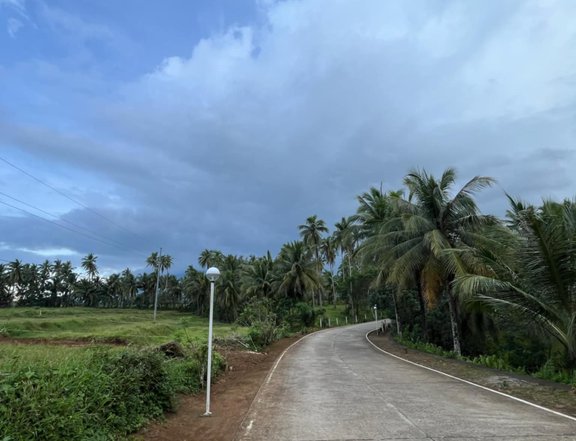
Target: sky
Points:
(126, 126)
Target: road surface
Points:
(334, 386)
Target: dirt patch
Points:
(232, 396)
(115, 341)
(555, 396)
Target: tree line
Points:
(447, 273)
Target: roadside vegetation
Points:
(455, 281)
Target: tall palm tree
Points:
(537, 281)
(152, 260)
(195, 288)
(297, 271)
(165, 265)
(16, 278)
(311, 234)
(328, 248)
(66, 279)
(374, 209)
(127, 287)
(5, 294)
(345, 239)
(210, 258)
(89, 265)
(416, 244)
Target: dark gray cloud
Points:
(235, 145)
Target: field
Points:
(107, 325)
(83, 373)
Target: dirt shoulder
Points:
(555, 396)
(232, 396)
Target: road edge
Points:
(241, 427)
(537, 406)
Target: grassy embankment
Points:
(94, 391)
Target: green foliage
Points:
(495, 362)
(301, 315)
(552, 370)
(78, 394)
(426, 347)
(264, 328)
(105, 325)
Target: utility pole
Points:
(158, 263)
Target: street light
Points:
(375, 312)
(212, 274)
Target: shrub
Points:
(94, 394)
(301, 315)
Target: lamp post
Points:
(375, 312)
(212, 274)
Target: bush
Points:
(301, 315)
(95, 394)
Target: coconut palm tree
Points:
(345, 239)
(89, 265)
(414, 247)
(127, 287)
(258, 277)
(374, 209)
(152, 260)
(311, 234)
(210, 258)
(328, 248)
(297, 271)
(195, 288)
(15, 276)
(5, 294)
(537, 281)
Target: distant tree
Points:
(328, 248)
(258, 277)
(297, 271)
(15, 276)
(5, 292)
(209, 258)
(311, 234)
(89, 265)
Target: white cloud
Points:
(19, 5)
(14, 26)
(50, 252)
(261, 126)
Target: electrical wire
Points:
(89, 236)
(68, 197)
(73, 224)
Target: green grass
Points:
(134, 326)
(333, 312)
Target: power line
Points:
(68, 197)
(62, 220)
(105, 242)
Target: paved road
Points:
(334, 386)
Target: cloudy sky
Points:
(223, 124)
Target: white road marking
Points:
(470, 382)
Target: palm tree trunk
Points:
(454, 322)
(422, 307)
(350, 273)
(398, 331)
(333, 287)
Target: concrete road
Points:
(333, 385)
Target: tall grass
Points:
(96, 393)
(135, 326)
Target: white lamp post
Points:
(375, 312)
(212, 274)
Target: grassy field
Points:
(101, 325)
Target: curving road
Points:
(333, 385)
